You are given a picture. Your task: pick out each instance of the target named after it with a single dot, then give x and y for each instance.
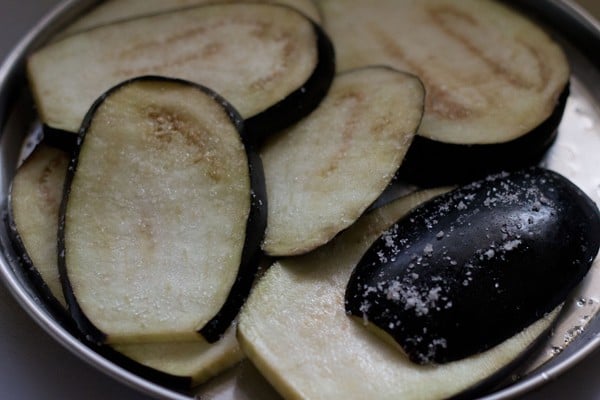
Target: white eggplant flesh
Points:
(196, 361)
(324, 172)
(116, 10)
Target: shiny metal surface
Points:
(574, 155)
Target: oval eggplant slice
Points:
(35, 198)
(485, 100)
(270, 61)
(116, 10)
(322, 173)
(162, 216)
(295, 330)
(471, 268)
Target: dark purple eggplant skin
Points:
(473, 267)
(430, 163)
(256, 223)
(252, 253)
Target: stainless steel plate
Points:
(575, 155)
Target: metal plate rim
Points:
(12, 67)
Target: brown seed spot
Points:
(172, 128)
(46, 186)
(437, 100)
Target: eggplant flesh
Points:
(116, 10)
(324, 172)
(35, 197)
(295, 330)
(473, 267)
(197, 362)
(481, 100)
(154, 225)
(268, 60)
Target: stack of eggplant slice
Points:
(271, 62)
(198, 140)
(496, 84)
(174, 167)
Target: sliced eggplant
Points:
(270, 61)
(471, 268)
(322, 173)
(162, 216)
(295, 330)
(488, 106)
(196, 362)
(116, 10)
(35, 198)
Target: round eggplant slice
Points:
(473, 267)
(324, 172)
(493, 78)
(295, 330)
(35, 197)
(111, 11)
(270, 61)
(162, 215)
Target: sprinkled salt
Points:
(428, 250)
(511, 245)
(490, 254)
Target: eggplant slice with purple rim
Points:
(294, 328)
(162, 217)
(471, 268)
(488, 107)
(325, 171)
(35, 196)
(270, 61)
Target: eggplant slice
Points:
(325, 171)
(35, 199)
(498, 105)
(271, 62)
(117, 10)
(162, 216)
(295, 330)
(196, 362)
(471, 268)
